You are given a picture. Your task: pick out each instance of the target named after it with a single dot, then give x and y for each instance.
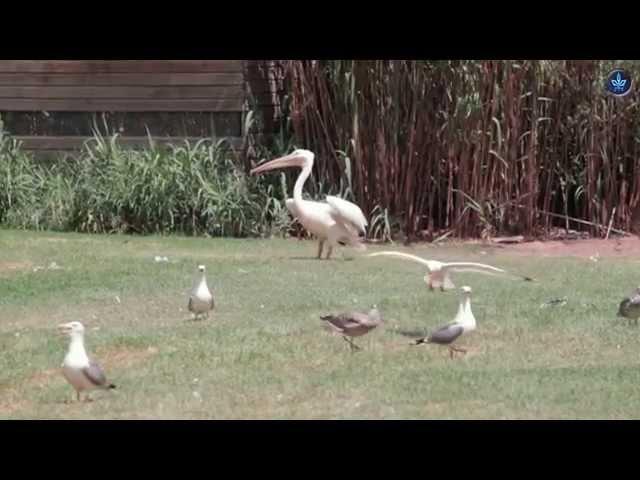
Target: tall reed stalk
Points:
(473, 147)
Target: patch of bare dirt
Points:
(124, 358)
(13, 267)
(619, 247)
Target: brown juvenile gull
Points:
(80, 371)
(354, 324)
(201, 298)
(464, 322)
(630, 307)
(438, 276)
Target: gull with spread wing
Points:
(439, 272)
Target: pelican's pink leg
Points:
(329, 252)
(320, 245)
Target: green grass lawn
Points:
(265, 355)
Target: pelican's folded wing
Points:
(347, 213)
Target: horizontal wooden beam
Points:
(121, 105)
(120, 79)
(121, 66)
(123, 92)
(72, 143)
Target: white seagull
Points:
(464, 322)
(80, 371)
(336, 222)
(630, 306)
(201, 299)
(439, 277)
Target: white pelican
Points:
(464, 322)
(336, 222)
(201, 299)
(630, 306)
(354, 324)
(438, 276)
(80, 371)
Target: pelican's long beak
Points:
(291, 160)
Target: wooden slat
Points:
(120, 105)
(120, 79)
(120, 92)
(121, 66)
(262, 97)
(70, 143)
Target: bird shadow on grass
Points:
(411, 333)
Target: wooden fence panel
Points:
(121, 66)
(153, 91)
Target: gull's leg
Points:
(450, 352)
(320, 245)
(458, 349)
(351, 344)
